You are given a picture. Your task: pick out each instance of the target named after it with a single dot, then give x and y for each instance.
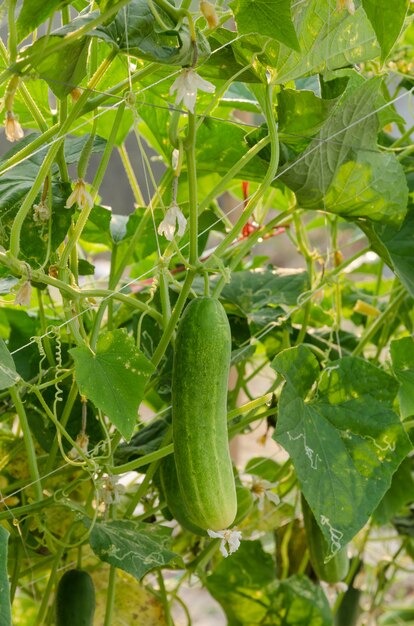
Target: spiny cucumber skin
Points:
(199, 400)
(334, 570)
(75, 599)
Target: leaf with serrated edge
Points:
(134, 547)
(113, 378)
(8, 374)
(344, 439)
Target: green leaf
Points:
(344, 439)
(251, 291)
(399, 494)
(5, 613)
(387, 19)
(114, 378)
(246, 588)
(402, 355)
(342, 169)
(8, 374)
(328, 40)
(239, 584)
(64, 69)
(396, 246)
(269, 18)
(35, 12)
(134, 547)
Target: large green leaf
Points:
(328, 40)
(5, 612)
(342, 169)
(344, 439)
(402, 354)
(134, 547)
(387, 19)
(246, 587)
(396, 246)
(250, 291)
(8, 374)
(398, 495)
(114, 378)
(63, 69)
(35, 12)
(270, 18)
(135, 31)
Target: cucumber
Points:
(337, 567)
(199, 408)
(75, 599)
(173, 498)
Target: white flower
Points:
(168, 225)
(230, 537)
(345, 4)
(261, 489)
(186, 86)
(80, 196)
(109, 489)
(24, 294)
(14, 131)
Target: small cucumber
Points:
(199, 400)
(337, 567)
(75, 599)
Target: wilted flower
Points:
(261, 489)
(186, 86)
(82, 441)
(80, 196)
(110, 491)
(41, 212)
(14, 132)
(209, 12)
(345, 4)
(75, 94)
(230, 537)
(24, 294)
(173, 217)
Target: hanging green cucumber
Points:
(75, 599)
(199, 400)
(171, 492)
(337, 567)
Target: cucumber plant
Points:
(206, 276)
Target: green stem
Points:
(70, 401)
(43, 326)
(49, 587)
(131, 466)
(110, 596)
(84, 215)
(28, 440)
(222, 185)
(190, 151)
(28, 150)
(103, 98)
(12, 43)
(132, 179)
(399, 295)
(267, 180)
(169, 330)
(164, 599)
(48, 161)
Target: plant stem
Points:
(132, 179)
(28, 440)
(86, 210)
(143, 460)
(110, 596)
(12, 43)
(267, 180)
(50, 157)
(190, 147)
